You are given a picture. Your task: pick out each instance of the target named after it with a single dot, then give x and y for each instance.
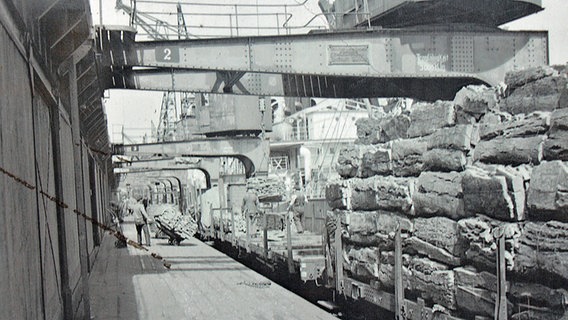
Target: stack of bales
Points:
(454, 177)
(268, 188)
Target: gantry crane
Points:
(158, 29)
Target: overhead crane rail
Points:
(251, 151)
(426, 64)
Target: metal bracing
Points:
(426, 64)
(251, 151)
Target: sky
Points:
(135, 110)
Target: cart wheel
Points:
(176, 242)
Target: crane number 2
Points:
(167, 54)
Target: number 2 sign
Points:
(167, 54)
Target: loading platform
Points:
(200, 283)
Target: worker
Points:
(250, 208)
(141, 220)
(297, 205)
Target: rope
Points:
(119, 235)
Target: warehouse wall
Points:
(20, 279)
(41, 270)
(47, 213)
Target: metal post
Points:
(289, 244)
(221, 224)
(221, 189)
(101, 12)
(265, 236)
(212, 223)
(366, 2)
(398, 288)
(286, 18)
(231, 24)
(233, 229)
(501, 303)
(247, 244)
(338, 257)
(237, 20)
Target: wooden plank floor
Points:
(201, 284)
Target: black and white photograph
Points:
(284, 159)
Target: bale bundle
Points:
(268, 188)
(455, 179)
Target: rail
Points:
(226, 19)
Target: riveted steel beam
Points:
(370, 63)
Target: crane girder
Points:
(372, 63)
(209, 166)
(253, 152)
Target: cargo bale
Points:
(540, 314)
(515, 179)
(478, 301)
(407, 159)
(441, 232)
(334, 194)
(349, 160)
(439, 194)
(395, 128)
(433, 281)
(406, 147)
(543, 251)
(547, 196)
(363, 262)
(375, 193)
(374, 228)
(556, 146)
(377, 162)
(426, 118)
(536, 123)
(449, 183)
(489, 195)
(431, 204)
(510, 151)
(386, 271)
(457, 137)
(410, 166)
(552, 85)
(522, 104)
(416, 246)
(469, 277)
(476, 100)
(482, 232)
(368, 131)
(516, 79)
(444, 160)
(538, 295)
